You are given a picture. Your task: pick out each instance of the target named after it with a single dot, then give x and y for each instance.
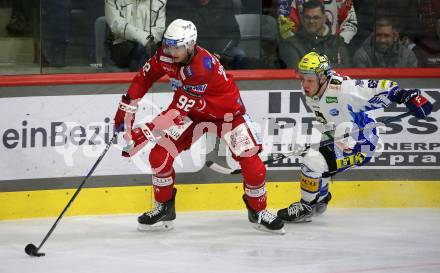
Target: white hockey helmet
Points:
(180, 33)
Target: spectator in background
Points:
(314, 35)
(136, 28)
(404, 13)
(427, 49)
(429, 11)
(20, 17)
(218, 30)
(341, 17)
(384, 49)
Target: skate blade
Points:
(319, 212)
(299, 221)
(259, 227)
(159, 226)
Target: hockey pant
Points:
(319, 166)
(243, 142)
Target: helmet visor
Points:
(172, 47)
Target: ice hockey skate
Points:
(302, 211)
(298, 212)
(160, 218)
(321, 206)
(264, 220)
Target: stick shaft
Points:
(331, 141)
(77, 192)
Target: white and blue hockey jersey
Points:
(350, 101)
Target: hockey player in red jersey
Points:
(205, 98)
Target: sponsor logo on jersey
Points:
(331, 99)
(334, 112)
(383, 84)
(195, 90)
(166, 59)
(359, 83)
(207, 63)
(351, 160)
(175, 83)
(335, 87)
(387, 84)
(335, 81)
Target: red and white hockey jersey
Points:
(203, 90)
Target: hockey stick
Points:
(220, 169)
(31, 249)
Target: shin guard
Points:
(254, 173)
(163, 174)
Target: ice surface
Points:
(341, 241)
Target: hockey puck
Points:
(32, 250)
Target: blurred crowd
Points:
(118, 35)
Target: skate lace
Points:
(157, 209)
(266, 216)
(296, 208)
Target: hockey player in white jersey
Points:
(340, 101)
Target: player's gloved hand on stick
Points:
(419, 106)
(414, 101)
(139, 136)
(126, 110)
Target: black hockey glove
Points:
(414, 101)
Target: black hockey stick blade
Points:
(32, 250)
